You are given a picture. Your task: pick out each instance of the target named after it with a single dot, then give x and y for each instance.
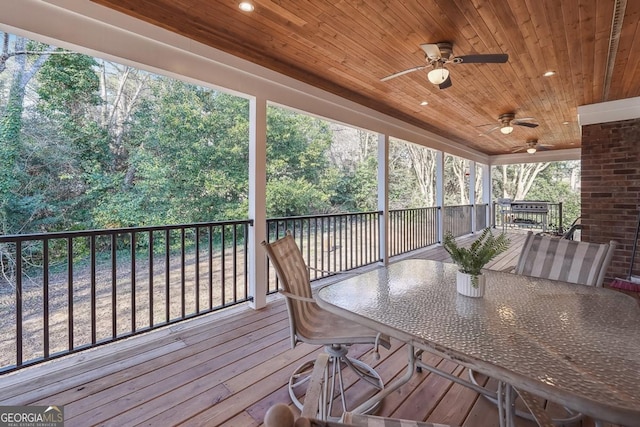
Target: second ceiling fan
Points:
(507, 121)
(437, 55)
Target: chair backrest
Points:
(547, 257)
(293, 275)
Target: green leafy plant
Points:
(471, 260)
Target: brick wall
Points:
(611, 189)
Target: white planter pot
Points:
(465, 285)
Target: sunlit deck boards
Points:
(225, 369)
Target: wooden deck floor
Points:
(227, 369)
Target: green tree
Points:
(188, 150)
(300, 179)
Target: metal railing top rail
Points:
(330, 215)
(123, 230)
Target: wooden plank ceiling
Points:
(346, 47)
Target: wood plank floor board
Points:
(454, 407)
(194, 381)
(73, 378)
(219, 414)
(96, 363)
(191, 370)
(425, 397)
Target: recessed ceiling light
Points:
(246, 6)
(549, 73)
(424, 103)
(565, 123)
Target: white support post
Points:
(472, 194)
(257, 201)
(440, 193)
(486, 193)
(383, 196)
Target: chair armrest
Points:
(295, 297)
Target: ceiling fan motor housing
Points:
(506, 118)
(446, 51)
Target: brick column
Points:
(611, 188)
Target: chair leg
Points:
(336, 391)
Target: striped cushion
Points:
(373, 421)
(565, 260)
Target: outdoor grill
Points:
(529, 206)
(526, 213)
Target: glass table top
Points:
(551, 336)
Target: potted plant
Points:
(470, 261)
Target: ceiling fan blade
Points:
(492, 129)
(490, 58)
(431, 50)
(519, 150)
(445, 84)
(401, 73)
(525, 124)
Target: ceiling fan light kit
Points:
(507, 129)
(532, 146)
(438, 76)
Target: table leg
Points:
(390, 388)
(506, 405)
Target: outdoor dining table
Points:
(575, 345)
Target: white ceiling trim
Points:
(537, 157)
(610, 111)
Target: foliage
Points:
(558, 183)
(300, 178)
(471, 260)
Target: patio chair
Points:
(570, 261)
(311, 324)
(312, 415)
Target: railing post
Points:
(560, 224)
(440, 193)
(383, 196)
(472, 194)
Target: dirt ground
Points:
(114, 300)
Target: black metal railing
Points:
(481, 216)
(329, 243)
(412, 229)
(64, 292)
(457, 220)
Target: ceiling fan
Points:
(532, 146)
(508, 121)
(437, 55)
